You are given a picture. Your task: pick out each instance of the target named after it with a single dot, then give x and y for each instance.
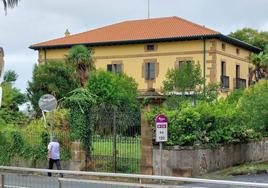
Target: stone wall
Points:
(186, 161)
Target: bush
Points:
(241, 117)
(29, 143)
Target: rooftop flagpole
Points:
(148, 9)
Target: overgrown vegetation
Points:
(239, 118)
(12, 98)
(28, 142)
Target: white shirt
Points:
(54, 148)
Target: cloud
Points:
(36, 21)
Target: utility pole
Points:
(148, 9)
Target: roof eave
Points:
(196, 37)
(239, 43)
(172, 39)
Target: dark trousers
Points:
(50, 165)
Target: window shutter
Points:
(118, 68)
(109, 67)
(147, 73)
(181, 64)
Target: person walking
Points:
(54, 155)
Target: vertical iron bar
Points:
(114, 139)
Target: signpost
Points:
(47, 103)
(161, 126)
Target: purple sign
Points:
(161, 125)
(161, 119)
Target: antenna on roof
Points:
(148, 9)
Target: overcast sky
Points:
(40, 20)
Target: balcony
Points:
(224, 82)
(240, 83)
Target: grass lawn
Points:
(126, 147)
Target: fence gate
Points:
(116, 140)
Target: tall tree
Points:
(81, 58)
(251, 36)
(10, 76)
(10, 3)
(260, 62)
(53, 77)
(12, 98)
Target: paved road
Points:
(21, 181)
(261, 178)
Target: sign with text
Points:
(161, 126)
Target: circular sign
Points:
(47, 103)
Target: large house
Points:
(146, 49)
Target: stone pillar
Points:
(78, 157)
(146, 144)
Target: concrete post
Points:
(146, 144)
(78, 157)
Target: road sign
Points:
(47, 103)
(161, 127)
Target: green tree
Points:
(260, 62)
(10, 76)
(187, 78)
(251, 36)
(12, 98)
(80, 57)
(113, 89)
(10, 3)
(53, 77)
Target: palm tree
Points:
(81, 57)
(260, 62)
(10, 3)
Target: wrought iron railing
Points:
(240, 83)
(225, 82)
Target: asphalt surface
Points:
(25, 181)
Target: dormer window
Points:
(150, 47)
(223, 46)
(237, 51)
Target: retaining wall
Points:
(187, 161)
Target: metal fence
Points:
(115, 143)
(15, 177)
(116, 140)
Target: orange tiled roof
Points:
(142, 31)
(157, 28)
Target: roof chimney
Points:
(67, 33)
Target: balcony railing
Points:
(225, 82)
(240, 83)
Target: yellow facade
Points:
(166, 54)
